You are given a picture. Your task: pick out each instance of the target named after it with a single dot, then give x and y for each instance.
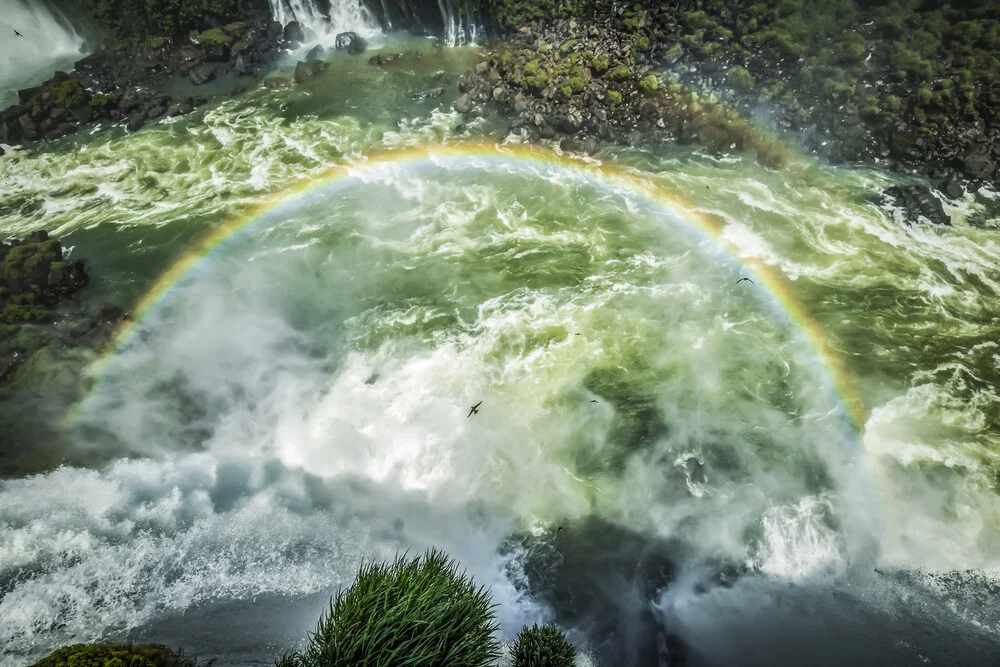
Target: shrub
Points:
(114, 655)
(402, 614)
(542, 647)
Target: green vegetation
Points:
(619, 73)
(114, 655)
(599, 64)
(615, 97)
(69, 94)
(542, 647)
(410, 612)
(215, 37)
(649, 83)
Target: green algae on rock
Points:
(114, 655)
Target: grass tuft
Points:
(542, 647)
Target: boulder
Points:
(463, 104)
(183, 106)
(435, 92)
(383, 59)
(66, 277)
(201, 73)
(275, 82)
(583, 145)
(315, 53)
(135, 121)
(156, 111)
(26, 95)
(293, 33)
(83, 113)
(350, 42)
(978, 165)
(306, 70)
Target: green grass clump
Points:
(410, 612)
(215, 37)
(740, 78)
(542, 647)
(649, 83)
(114, 655)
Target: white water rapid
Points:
(49, 43)
(321, 27)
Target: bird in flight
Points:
(474, 410)
(17, 33)
(593, 401)
(746, 279)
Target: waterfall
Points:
(322, 26)
(459, 24)
(49, 43)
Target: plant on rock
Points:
(410, 612)
(542, 647)
(114, 655)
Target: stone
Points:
(201, 73)
(156, 111)
(435, 92)
(978, 165)
(135, 121)
(315, 53)
(83, 113)
(275, 82)
(952, 189)
(585, 146)
(28, 94)
(482, 67)
(306, 70)
(463, 104)
(384, 59)
(351, 42)
(293, 33)
(917, 203)
(183, 106)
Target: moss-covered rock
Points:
(740, 78)
(649, 83)
(114, 655)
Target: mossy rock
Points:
(649, 84)
(614, 97)
(13, 313)
(69, 94)
(599, 64)
(99, 101)
(619, 73)
(215, 37)
(740, 79)
(114, 655)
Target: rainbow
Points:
(778, 286)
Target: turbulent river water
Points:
(798, 470)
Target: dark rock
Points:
(201, 73)
(156, 111)
(435, 92)
(28, 94)
(352, 42)
(315, 53)
(275, 82)
(59, 115)
(60, 130)
(131, 100)
(306, 70)
(183, 106)
(384, 59)
(978, 165)
(463, 104)
(66, 277)
(917, 204)
(2, 151)
(242, 67)
(83, 113)
(952, 189)
(293, 33)
(584, 145)
(135, 121)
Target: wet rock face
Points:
(294, 33)
(306, 70)
(383, 59)
(917, 203)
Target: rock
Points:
(28, 94)
(201, 73)
(275, 82)
(293, 33)
(83, 113)
(978, 165)
(66, 277)
(463, 104)
(242, 67)
(2, 151)
(584, 146)
(135, 121)
(183, 106)
(482, 67)
(952, 189)
(435, 92)
(59, 115)
(315, 53)
(351, 42)
(60, 130)
(917, 203)
(383, 59)
(156, 111)
(306, 70)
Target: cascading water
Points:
(322, 26)
(460, 27)
(49, 43)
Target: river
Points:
(809, 458)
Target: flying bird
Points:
(474, 410)
(593, 401)
(17, 33)
(746, 279)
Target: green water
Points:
(308, 386)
